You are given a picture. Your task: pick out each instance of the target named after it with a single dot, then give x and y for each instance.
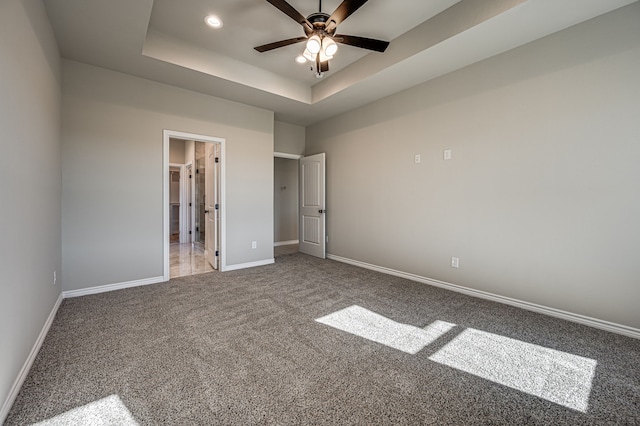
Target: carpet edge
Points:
(26, 367)
(553, 312)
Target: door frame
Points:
(286, 155)
(166, 136)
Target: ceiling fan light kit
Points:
(329, 46)
(321, 38)
(314, 44)
(308, 55)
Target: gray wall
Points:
(540, 201)
(288, 138)
(285, 199)
(112, 223)
(30, 176)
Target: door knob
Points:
(206, 211)
(322, 211)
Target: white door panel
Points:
(312, 205)
(216, 209)
(211, 201)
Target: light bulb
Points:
(324, 57)
(329, 46)
(301, 59)
(309, 56)
(314, 44)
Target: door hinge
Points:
(197, 171)
(197, 229)
(217, 160)
(189, 176)
(217, 206)
(189, 204)
(189, 232)
(217, 253)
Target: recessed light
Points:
(301, 59)
(213, 21)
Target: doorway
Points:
(300, 213)
(285, 203)
(194, 240)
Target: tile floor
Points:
(187, 259)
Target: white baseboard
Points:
(248, 265)
(286, 243)
(111, 287)
(569, 316)
(24, 371)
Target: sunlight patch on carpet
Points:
(106, 411)
(556, 376)
(365, 323)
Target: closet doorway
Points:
(285, 203)
(194, 204)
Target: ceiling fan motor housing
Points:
(319, 22)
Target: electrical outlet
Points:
(254, 244)
(416, 158)
(455, 262)
(55, 278)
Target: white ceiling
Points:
(168, 41)
(249, 23)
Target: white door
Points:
(211, 188)
(216, 209)
(188, 188)
(312, 205)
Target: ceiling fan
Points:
(320, 29)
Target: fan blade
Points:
(290, 11)
(281, 43)
(362, 42)
(346, 8)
